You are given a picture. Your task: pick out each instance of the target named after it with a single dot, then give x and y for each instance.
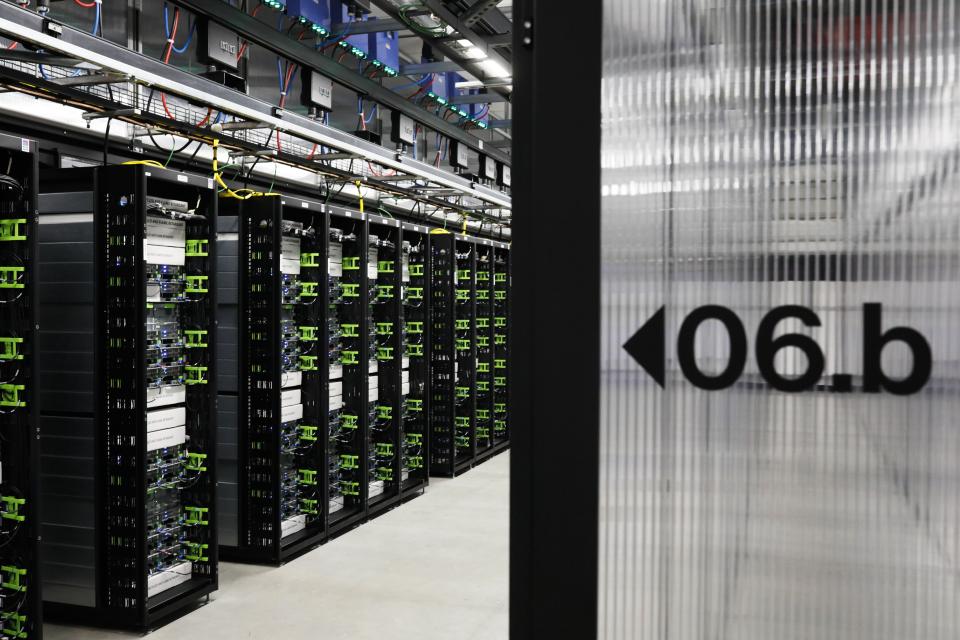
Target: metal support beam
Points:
(481, 98)
(479, 41)
(500, 124)
(367, 26)
(476, 11)
(429, 67)
(263, 35)
(443, 46)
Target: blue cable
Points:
(280, 73)
(166, 28)
(372, 113)
(96, 28)
(420, 82)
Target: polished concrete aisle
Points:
(433, 569)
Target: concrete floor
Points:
(435, 568)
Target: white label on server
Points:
(165, 438)
(336, 388)
(166, 418)
(166, 395)
(290, 396)
(405, 388)
(405, 268)
(290, 255)
(372, 266)
(163, 254)
(336, 371)
(293, 525)
(177, 574)
(336, 402)
(166, 231)
(291, 379)
(335, 259)
(291, 412)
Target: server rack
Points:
(453, 354)
(128, 364)
(20, 605)
(501, 347)
(415, 332)
(386, 363)
(483, 295)
(274, 410)
(349, 371)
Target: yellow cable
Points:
(360, 193)
(149, 163)
(239, 194)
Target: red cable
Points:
(13, 45)
(243, 45)
(87, 5)
(312, 151)
(166, 57)
(283, 98)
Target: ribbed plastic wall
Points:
(759, 153)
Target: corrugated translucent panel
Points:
(759, 153)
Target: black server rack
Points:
(453, 354)
(415, 341)
(385, 363)
(20, 605)
(273, 405)
(350, 355)
(483, 296)
(127, 359)
(501, 348)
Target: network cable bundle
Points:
(415, 332)
(127, 360)
(273, 406)
(20, 607)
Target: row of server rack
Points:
(186, 378)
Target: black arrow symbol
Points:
(647, 346)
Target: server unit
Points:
(127, 359)
(453, 354)
(273, 410)
(20, 606)
(415, 381)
